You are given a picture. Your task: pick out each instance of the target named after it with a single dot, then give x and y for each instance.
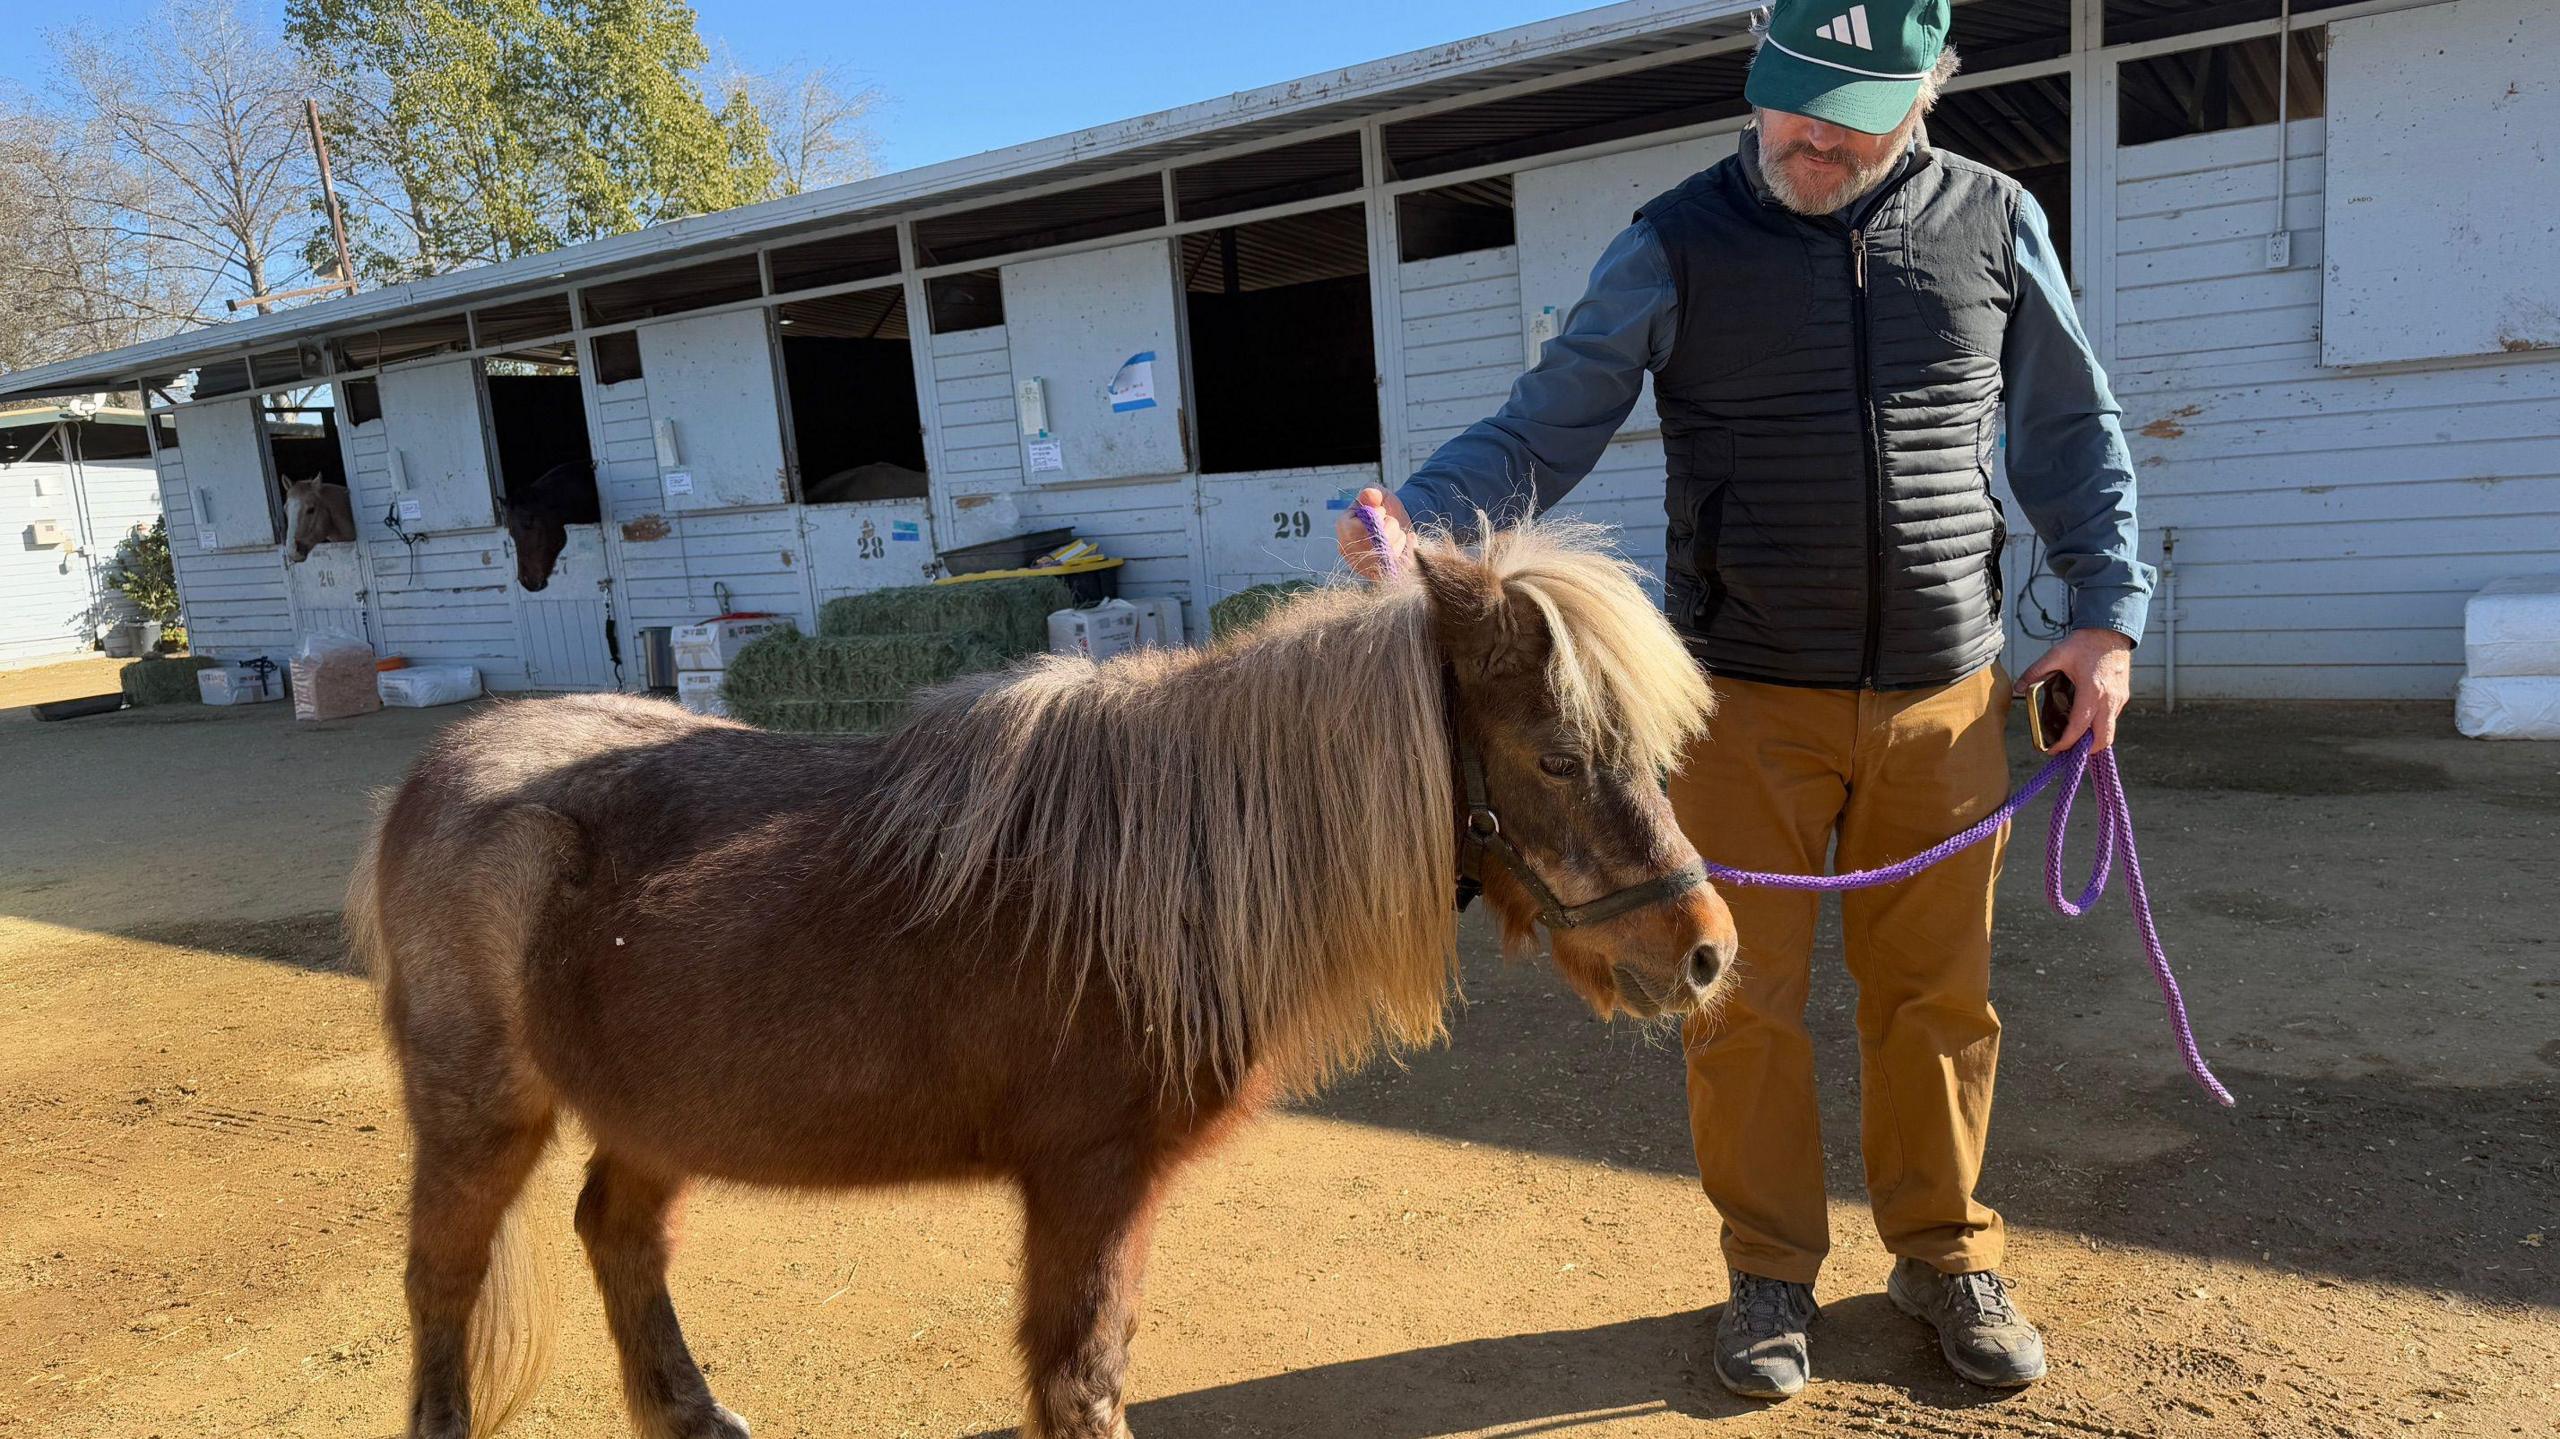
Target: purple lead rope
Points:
(2115, 836)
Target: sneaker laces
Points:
(1767, 1306)
(1984, 1295)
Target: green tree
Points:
(473, 131)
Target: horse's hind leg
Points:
(474, 1152)
(622, 1217)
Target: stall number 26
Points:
(1290, 525)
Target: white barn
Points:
(2314, 242)
(74, 481)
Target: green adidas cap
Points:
(1853, 64)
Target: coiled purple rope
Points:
(2115, 836)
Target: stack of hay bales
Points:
(1248, 607)
(872, 652)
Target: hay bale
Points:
(167, 681)
(1248, 607)
(1015, 611)
(848, 684)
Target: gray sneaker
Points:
(1760, 1344)
(1980, 1331)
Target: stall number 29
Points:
(1289, 525)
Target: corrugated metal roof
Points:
(1629, 30)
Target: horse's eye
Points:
(1562, 766)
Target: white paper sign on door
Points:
(1047, 455)
(1134, 388)
(679, 482)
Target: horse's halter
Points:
(1481, 833)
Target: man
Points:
(1834, 319)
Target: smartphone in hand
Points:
(2049, 701)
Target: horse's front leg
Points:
(1085, 1223)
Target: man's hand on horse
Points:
(1359, 549)
(2099, 664)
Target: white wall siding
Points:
(234, 602)
(2330, 523)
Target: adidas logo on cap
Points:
(1849, 29)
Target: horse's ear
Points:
(1485, 632)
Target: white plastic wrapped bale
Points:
(2509, 707)
(2512, 628)
(699, 692)
(1160, 621)
(421, 686)
(1109, 628)
(239, 684)
(711, 644)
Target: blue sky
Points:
(961, 76)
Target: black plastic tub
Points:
(76, 709)
(1014, 552)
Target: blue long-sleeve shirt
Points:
(2069, 466)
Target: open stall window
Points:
(849, 371)
(1456, 220)
(617, 357)
(2021, 129)
(1614, 107)
(974, 301)
(1040, 221)
(538, 425)
(309, 468)
(363, 400)
(164, 433)
(2219, 87)
(1282, 360)
(835, 260)
(109, 440)
(1282, 176)
(674, 292)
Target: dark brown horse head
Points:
(539, 519)
(1574, 698)
(322, 514)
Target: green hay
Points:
(1015, 611)
(165, 681)
(1246, 608)
(848, 684)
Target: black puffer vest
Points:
(1828, 419)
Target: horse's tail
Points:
(511, 1326)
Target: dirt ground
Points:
(36, 684)
(201, 1192)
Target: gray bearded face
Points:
(1812, 179)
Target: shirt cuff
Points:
(2122, 608)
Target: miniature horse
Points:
(1062, 930)
(539, 519)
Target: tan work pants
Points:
(1783, 773)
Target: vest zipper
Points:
(1875, 462)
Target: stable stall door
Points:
(225, 445)
(715, 413)
(855, 549)
(327, 591)
(439, 456)
(1098, 334)
(567, 625)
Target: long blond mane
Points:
(1251, 846)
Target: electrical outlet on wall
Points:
(2280, 250)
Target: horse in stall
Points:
(538, 520)
(1064, 929)
(322, 514)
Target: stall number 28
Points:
(1290, 525)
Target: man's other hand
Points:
(2099, 664)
